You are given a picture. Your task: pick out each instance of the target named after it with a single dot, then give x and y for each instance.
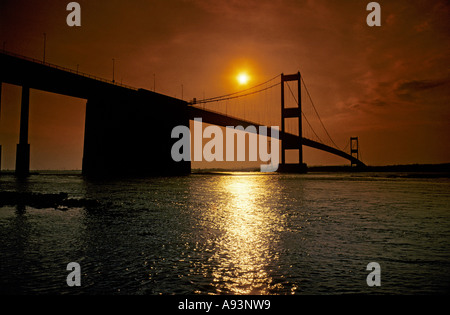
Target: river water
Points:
(230, 233)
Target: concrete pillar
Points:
(129, 134)
(23, 148)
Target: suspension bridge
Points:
(262, 102)
(128, 130)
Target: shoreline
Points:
(409, 168)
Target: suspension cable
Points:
(236, 94)
(303, 114)
(312, 103)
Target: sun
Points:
(243, 78)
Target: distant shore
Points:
(443, 168)
(406, 168)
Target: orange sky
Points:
(388, 85)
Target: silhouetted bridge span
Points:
(290, 139)
(127, 130)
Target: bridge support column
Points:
(23, 148)
(295, 112)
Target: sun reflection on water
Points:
(244, 253)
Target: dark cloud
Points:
(412, 86)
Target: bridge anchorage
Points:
(128, 130)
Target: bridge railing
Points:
(87, 75)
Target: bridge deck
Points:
(291, 139)
(35, 74)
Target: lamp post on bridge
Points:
(113, 68)
(45, 43)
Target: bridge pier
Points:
(129, 134)
(23, 147)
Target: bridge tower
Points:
(354, 148)
(291, 112)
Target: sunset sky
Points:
(388, 85)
